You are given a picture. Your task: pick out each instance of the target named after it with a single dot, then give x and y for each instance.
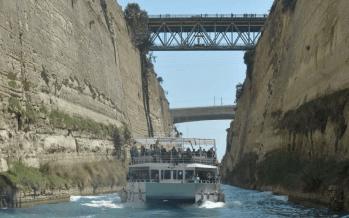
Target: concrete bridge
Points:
(182, 115)
(205, 31)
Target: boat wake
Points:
(100, 201)
(281, 198)
(78, 198)
(103, 204)
(212, 205)
(237, 203)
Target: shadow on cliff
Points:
(7, 192)
(312, 161)
(319, 180)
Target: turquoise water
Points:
(239, 203)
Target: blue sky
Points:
(197, 78)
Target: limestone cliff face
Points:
(70, 83)
(295, 100)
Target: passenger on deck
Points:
(134, 152)
(209, 177)
(210, 153)
(186, 156)
(174, 151)
(162, 153)
(142, 150)
(174, 155)
(147, 152)
(163, 150)
(156, 153)
(214, 155)
(180, 156)
(204, 153)
(198, 152)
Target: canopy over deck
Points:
(178, 142)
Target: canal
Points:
(239, 203)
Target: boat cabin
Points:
(189, 173)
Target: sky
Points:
(201, 78)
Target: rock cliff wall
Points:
(71, 85)
(290, 130)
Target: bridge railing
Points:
(165, 16)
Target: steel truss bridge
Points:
(205, 32)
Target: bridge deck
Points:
(181, 115)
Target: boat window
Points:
(174, 174)
(165, 174)
(189, 174)
(206, 174)
(180, 174)
(139, 173)
(154, 174)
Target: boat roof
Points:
(196, 165)
(192, 165)
(179, 141)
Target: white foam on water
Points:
(76, 198)
(281, 197)
(237, 203)
(103, 204)
(212, 205)
(267, 192)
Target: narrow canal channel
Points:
(240, 203)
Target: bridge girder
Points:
(182, 115)
(205, 32)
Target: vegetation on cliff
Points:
(137, 21)
(59, 119)
(53, 176)
(27, 113)
(32, 179)
(239, 90)
(317, 115)
(288, 5)
(249, 61)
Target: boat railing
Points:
(211, 181)
(172, 159)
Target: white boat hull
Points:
(178, 192)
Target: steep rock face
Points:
(71, 84)
(159, 108)
(295, 102)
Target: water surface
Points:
(239, 203)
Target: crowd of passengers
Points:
(160, 153)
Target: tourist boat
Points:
(173, 170)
